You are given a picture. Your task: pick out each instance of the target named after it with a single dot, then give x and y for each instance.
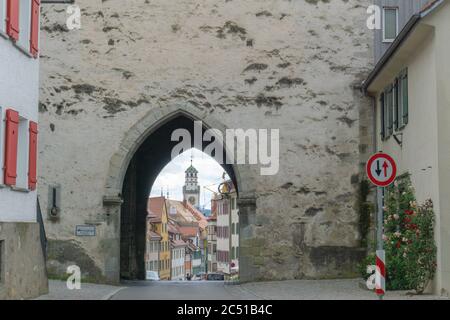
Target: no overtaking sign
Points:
(381, 169)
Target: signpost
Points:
(381, 171)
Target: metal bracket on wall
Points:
(398, 138)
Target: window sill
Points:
(23, 50)
(19, 189)
(15, 44)
(388, 41)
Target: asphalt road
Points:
(187, 290)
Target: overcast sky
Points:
(172, 176)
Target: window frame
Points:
(386, 8)
(25, 25)
(387, 98)
(404, 116)
(2, 146)
(382, 116)
(394, 111)
(2, 261)
(22, 154)
(3, 15)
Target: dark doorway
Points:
(145, 165)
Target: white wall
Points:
(19, 90)
(223, 244)
(178, 256)
(235, 237)
(441, 22)
(418, 154)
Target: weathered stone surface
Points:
(64, 253)
(23, 266)
(291, 65)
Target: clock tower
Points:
(191, 189)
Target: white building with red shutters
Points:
(22, 271)
(227, 230)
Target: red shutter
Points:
(32, 156)
(34, 37)
(12, 19)
(11, 140)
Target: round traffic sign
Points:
(381, 169)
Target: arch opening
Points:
(144, 166)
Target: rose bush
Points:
(408, 239)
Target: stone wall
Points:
(23, 266)
(292, 65)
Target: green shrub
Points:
(408, 239)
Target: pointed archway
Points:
(143, 153)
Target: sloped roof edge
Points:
(403, 35)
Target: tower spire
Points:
(191, 189)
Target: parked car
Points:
(199, 276)
(152, 276)
(215, 277)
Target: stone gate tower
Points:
(113, 91)
(191, 189)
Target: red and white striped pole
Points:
(380, 275)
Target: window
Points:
(386, 104)
(24, 24)
(394, 106)
(390, 24)
(3, 16)
(390, 110)
(2, 149)
(382, 117)
(233, 226)
(403, 98)
(2, 261)
(22, 155)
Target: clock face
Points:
(192, 200)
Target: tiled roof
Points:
(155, 207)
(198, 215)
(154, 236)
(183, 212)
(178, 243)
(172, 227)
(192, 246)
(178, 212)
(187, 231)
